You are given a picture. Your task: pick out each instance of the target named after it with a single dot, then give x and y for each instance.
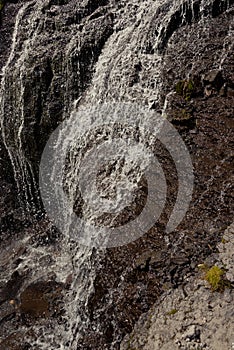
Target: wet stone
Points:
(214, 78)
(14, 341)
(12, 287)
(39, 299)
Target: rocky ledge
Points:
(174, 57)
(197, 315)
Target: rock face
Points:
(192, 316)
(57, 55)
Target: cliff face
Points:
(57, 55)
(191, 316)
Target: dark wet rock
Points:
(178, 110)
(12, 342)
(214, 78)
(223, 90)
(12, 287)
(33, 303)
(12, 252)
(7, 22)
(210, 91)
(134, 75)
(6, 310)
(51, 69)
(47, 237)
(15, 341)
(148, 258)
(230, 92)
(70, 39)
(39, 299)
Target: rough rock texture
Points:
(65, 53)
(192, 316)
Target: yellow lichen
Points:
(172, 312)
(214, 276)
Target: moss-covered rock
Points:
(180, 115)
(185, 88)
(179, 111)
(172, 312)
(2, 4)
(214, 276)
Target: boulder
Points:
(214, 78)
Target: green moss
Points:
(179, 87)
(180, 115)
(172, 312)
(185, 88)
(185, 115)
(214, 276)
(2, 3)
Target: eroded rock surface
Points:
(192, 316)
(55, 53)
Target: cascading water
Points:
(13, 123)
(126, 67)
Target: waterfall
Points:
(126, 51)
(12, 119)
(126, 68)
